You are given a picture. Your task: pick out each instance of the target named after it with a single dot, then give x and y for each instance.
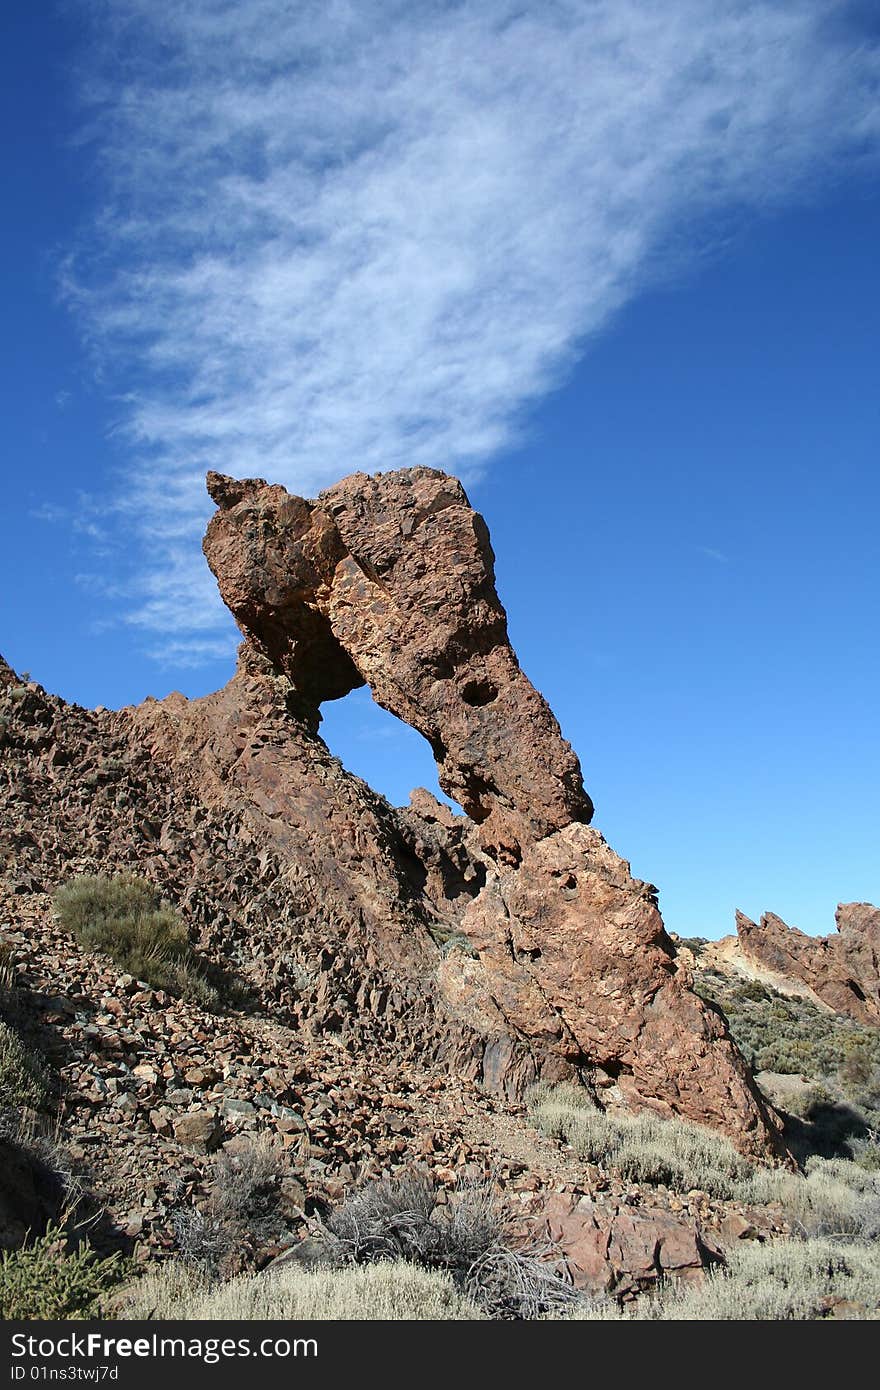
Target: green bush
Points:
(777, 1033)
(840, 1056)
(46, 1281)
(24, 1076)
(124, 917)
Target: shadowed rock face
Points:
(842, 970)
(567, 969)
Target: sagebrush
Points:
(465, 1236)
(783, 1281)
(125, 917)
(387, 1291)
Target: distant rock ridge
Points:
(508, 944)
(842, 970)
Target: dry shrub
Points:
(465, 1236)
(125, 917)
(205, 1240)
(385, 1291)
(836, 1198)
(246, 1183)
(785, 1281)
(643, 1148)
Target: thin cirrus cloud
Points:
(364, 236)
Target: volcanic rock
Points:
(498, 947)
(841, 970)
(609, 1248)
(389, 581)
(566, 967)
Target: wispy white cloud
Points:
(191, 652)
(366, 235)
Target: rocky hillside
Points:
(389, 980)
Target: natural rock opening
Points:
(374, 744)
(390, 580)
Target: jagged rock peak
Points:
(842, 969)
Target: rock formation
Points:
(504, 945)
(841, 970)
(566, 968)
(389, 581)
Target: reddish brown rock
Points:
(619, 1249)
(573, 955)
(389, 580)
(200, 1130)
(842, 970)
(565, 963)
(503, 947)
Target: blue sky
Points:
(614, 264)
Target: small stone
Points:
(235, 1109)
(199, 1130)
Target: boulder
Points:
(612, 1248)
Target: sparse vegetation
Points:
(124, 917)
(836, 1198)
(45, 1280)
(24, 1076)
(204, 1239)
(393, 1250)
(782, 1281)
(777, 1033)
(37, 1139)
(641, 1147)
(244, 1200)
(388, 1291)
(404, 1220)
(449, 939)
(246, 1183)
(840, 1116)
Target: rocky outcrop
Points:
(607, 1248)
(504, 945)
(572, 948)
(563, 965)
(842, 970)
(390, 581)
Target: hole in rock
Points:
(377, 746)
(479, 692)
